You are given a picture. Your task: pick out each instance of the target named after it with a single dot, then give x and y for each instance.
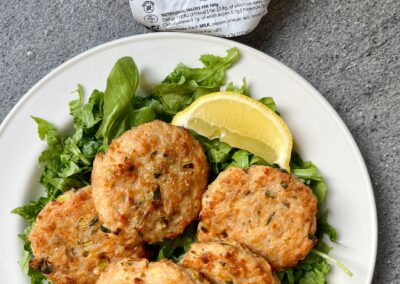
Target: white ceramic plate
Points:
(320, 136)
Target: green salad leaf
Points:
(185, 84)
(175, 248)
(212, 75)
(47, 131)
(324, 228)
(325, 256)
(222, 156)
(312, 270)
(310, 174)
(35, 276)
(120, 91)
(269, 102)
(89, 114)
(244, 89)
(30, 211)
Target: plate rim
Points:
(264, 57)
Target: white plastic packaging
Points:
(226, 18)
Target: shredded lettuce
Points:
(67, 162)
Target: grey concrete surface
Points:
(349, 50)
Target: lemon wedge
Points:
(241, 122)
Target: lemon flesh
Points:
(241, 122)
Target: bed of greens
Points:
(67, 162)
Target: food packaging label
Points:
(225, 18)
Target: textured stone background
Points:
(349, 50)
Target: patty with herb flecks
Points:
(69, 243)
(140, 271)
(265, 209)
(223, 263)
(150, 180)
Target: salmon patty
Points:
(150, 180)
(223, 263)
(140, 271)
(70, 245)
(269, 211)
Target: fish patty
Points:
(223, 263)
(70, 245)
(150, 180)
(141, 271)
(269, 211)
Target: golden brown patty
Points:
(267, 210)
(140, 271)
(151, 180)
(223, 263)
(69, 245)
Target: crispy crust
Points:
(69, 245)
(223, 263)
(269, 211)
(140, 271)
(125, 271)
(150, 180)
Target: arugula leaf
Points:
(255, 160)
(310, 174)
(324, 227)
(319, 189)
(217, 153)
(222, 156)
(211, 75)
(244, 89)
(304, 170)
(185, 84)
(35, 276)
(214, 72)
(268, 102)
(241, 159)
(315, 267)
(121, 88)
(175, 248)
(78, 102)
(312, 270)
(325, 256)
(47, 131)
(30, 211)
(88, 114)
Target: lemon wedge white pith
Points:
(241, 122)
